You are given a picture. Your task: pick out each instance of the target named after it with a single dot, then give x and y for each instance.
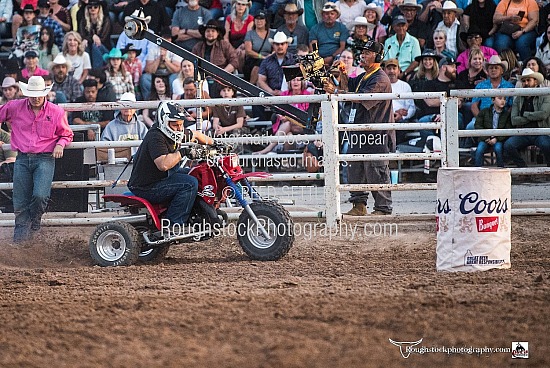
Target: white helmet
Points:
(169, 111)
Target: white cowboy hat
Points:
(280, 37)
(410, 4)
(59, 60)
(529, 73)
(362, 21)
(35, 88)
(128, 97)
(376, 8)
(330, 6)
(449, 5)
(138, 14)
(495, 60)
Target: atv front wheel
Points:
(278, 225)
(115, 243)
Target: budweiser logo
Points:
(487, 224)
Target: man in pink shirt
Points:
(39, 133)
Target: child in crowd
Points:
(133, 64)
(227, 120)
(493, 117)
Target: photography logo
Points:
(404, 345)
(520, 350)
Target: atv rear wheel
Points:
(279, 226)
(115, 243)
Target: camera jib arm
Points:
(137, 28)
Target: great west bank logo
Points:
(520, 350)
(471, 260)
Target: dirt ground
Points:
(328, 303)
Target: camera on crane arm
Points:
(312, 68)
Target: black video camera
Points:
(312, 68)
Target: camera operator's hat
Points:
(28, 8)
(496, 60)
(428, 53)
(35, 88)
(362, 21)
(290, 9)
(450, 5)
(131, 47)
(330, 6)
(280, 37)
(60, 60)
(9, 82)
(529, 73)
(373, 46)
(410, 4)
(214, 24)
(376, 8)
(472, 31)
(138, 13)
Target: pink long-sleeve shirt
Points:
(32, 133)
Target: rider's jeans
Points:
(179, 189)
(32, 181)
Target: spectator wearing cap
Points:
(329, 36)
(418, 29)
(150, 8)
(91, 116)
(428, 109)
(31, 65)
(256, 47)
(451, 26)
(45, 19)
(10, 90)
(349, 10)
(238, 22)
(375, 29)
(120, 78)
(133, 64)
(95, 30)
(270, 75)
(473, 38)
(6, 12)
(495, 68)
(73, 51)
(292, 28)
(480, 14)
(428, 69)
(186, 22)
(402, 46)
(524, 14)
(215, 48)
(125, 126)
(529, 112)
(62, 81)
(159, 61)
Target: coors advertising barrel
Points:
(473, 219)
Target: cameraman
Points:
(373, 80)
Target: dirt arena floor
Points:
(329, 303)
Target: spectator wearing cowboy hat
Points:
(10, 90)
(132, 63)
(37, 150)
(473, 38)
(402, 46)
(62, 81)
(451, 25)
(359, 37)
(418, 29)
(329, 35)
(186, 22)
(215, 48)
(529, 112)
(292, 28)
(375, 29)
(270, 75)
(120, 78)
(349, 10)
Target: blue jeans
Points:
(96, 55)
(525, 44)
(514, 144)
(32, 182)
(482, 148)
(179, 189)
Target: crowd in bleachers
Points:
(435, 45)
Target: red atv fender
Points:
(134, 203)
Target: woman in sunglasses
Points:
(95, 29)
